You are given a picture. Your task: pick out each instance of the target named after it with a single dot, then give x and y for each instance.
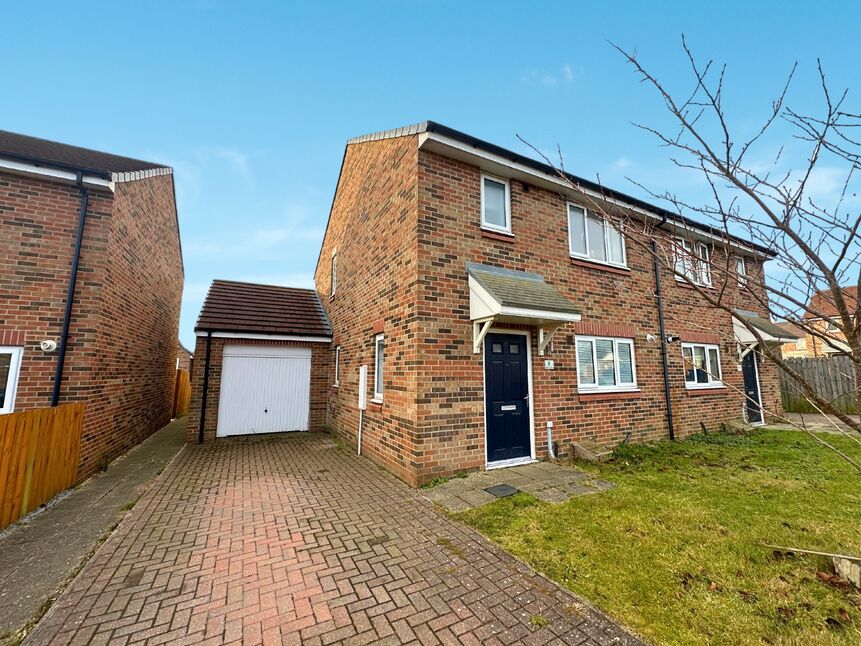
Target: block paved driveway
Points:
(289, 539)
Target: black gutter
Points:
(73, 168)
(534, 164)
(70, 291)
(663, 332)
(205, 388)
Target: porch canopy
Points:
(769, 331)
(506, 296)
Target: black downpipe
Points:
(70, 292)
(663, 332)
(205, 388)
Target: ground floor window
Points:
(337, 365)
(379, 352)
(605, 363)
(10, 364)
(702, 365)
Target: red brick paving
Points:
(290, 540)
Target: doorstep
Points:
(546, 481)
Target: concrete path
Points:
(43, 550)
(813, 422)
(290, 539)
(546, 481)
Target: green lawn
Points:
(674, 549)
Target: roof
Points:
(520, 289)
(232, 306)
(823, 302)
(42, 152)
(792, 329)
(474, 142)
(766, 326)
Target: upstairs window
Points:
(592, 237)
(379, 351)
(693, 261)
(605, 363)
(10, 363)
(495, 204)
(741, 270)
(702, 365)
(334, 272)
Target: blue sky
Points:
(252, 102)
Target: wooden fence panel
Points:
(39, 453)
(181, 393)
(833, 378)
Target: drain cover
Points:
(502, 490)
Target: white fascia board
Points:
(507, 168)
(540, 314)
(43, 172)
(481, 304)
(266, 337)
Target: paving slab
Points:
(39, 553)
(547, 481)
(292, 539)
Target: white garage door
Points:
(264, 390)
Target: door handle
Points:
(526, 397)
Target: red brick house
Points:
(498, 319)
(91, 279)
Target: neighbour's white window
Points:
(605, 363)
(702, 365)
(592, 237)
(337, 365)
(495, 204)
(801, 344)
(741, 270)
(334, 272)
(10, 365)
(379, 351)
(693, 261)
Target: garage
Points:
(264, 389)
(265, 362)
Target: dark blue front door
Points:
(506, 388)
(751, 388)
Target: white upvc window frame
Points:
(618, 387)
(607, 225)
(741, 271)
(379, 365)
(334, 280)
(337, 366)
(713, 380)
(696, 260)
(11, 385)
(489, 226)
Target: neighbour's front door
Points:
(751, 388)
(506, 388)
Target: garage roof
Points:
(236, 307)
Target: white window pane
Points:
(5, 370)
(704, 265)
(494, 204)
(595, 227)
(626, 363)
(606, 368)
(585, 368)
(690, 373)
(577, 230)
(378, 369)
(700, 366)
(616, 244)
(714, 364)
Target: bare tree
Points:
(755, 193)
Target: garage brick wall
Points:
(321, 356)
(121, 351)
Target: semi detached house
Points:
(497, 316)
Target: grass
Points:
(675, 551)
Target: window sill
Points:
(705, 390)
(598, 395)
(502, 236)
(682, 283)
(335, 385)
(376, 401)
(600, 266)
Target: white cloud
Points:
(565, 76)
(621, 163)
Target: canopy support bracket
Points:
(545, 336)
(480, 329)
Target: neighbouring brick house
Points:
(489, 309)
(119, 356)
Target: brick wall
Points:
(121, 349)
(184, 357)
(373, 227)
(320, 370)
